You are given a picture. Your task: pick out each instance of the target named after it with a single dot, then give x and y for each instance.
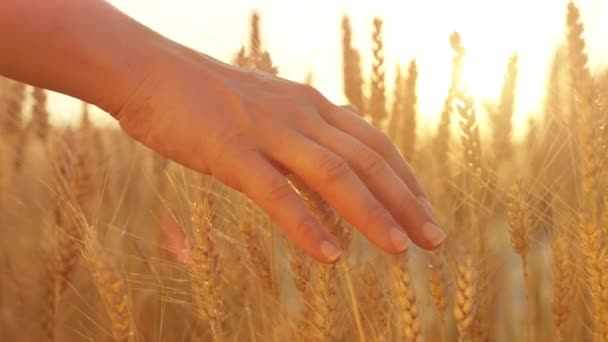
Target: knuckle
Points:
(314, 96)
(333, 168)
(311, 92)
(376, 215)
(305, 227)
(224, 164)
(231, 156)
(411, 208)
(278, 191)
(230, 148)
(369, 161)
(382, 143)
(228, 140)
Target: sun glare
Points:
(491, 32)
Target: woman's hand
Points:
(248, 128)
(244, 127)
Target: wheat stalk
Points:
(257, 257)
(40, 114)
(377, 101)
(405, 299)
(437, 284)
(408, 135)
(351, 69)
(255, 37)
(12, 124)
(322, 300)
(563, 282)
(502, 119)
(300, 266)
(112, 288)
(595, 261)
(443, 131)
(375, 303)
(395, 125)
(322, 304)
(6, 172)
(74, 188)
(204, 271)
(582, 87)
(519, 230)
(465, 299)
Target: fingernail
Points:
(399, 239)
(330, 251)
(428, 208)
(434, 234)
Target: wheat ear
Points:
(351, 68)
(465, 304)
(377, 102)
(111, 286)
(519, 230)
(204, 269)
(405, 298)
(563, 282)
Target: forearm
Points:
(82, 48)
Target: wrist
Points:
(127, 70)
(155, 62)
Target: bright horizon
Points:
(305, 36)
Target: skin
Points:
(247, 128)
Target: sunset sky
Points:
(304, 36)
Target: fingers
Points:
(265, 185)
(344, 119)
(332, 177)
(383, 182)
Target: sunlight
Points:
(491, 31)
(489, 39)
(225, 204)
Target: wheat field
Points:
(103, 240)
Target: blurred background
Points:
(303, 37)
(503, 116)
